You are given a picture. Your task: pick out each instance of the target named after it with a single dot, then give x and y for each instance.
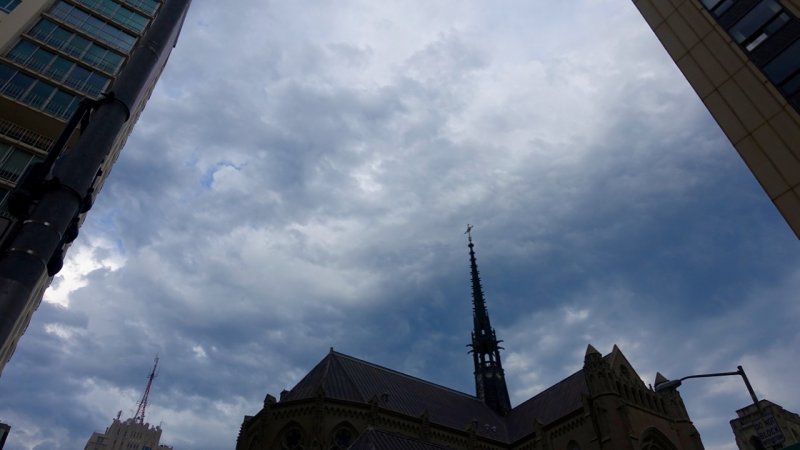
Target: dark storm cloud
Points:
(301, 178)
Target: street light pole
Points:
(668, 385)
(673, 384)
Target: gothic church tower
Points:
(490, 381)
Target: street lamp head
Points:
(667, 385)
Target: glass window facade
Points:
(752, 26)
(117, 13)
(36, 93)
(784, 70)
(766, 17)
(8, 5)
(90, 52)
(14, 161)
(148, 6)
(98, 29)
(718, 7)
(58, 68)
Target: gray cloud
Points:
(301, 177)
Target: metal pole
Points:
(24, 262)
(749, 387)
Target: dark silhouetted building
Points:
(348, 403)
(772, 425)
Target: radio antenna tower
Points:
(139, 417)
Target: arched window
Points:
(292, 438)
(342, 436)
(653, 439)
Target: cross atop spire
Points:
(490, 382)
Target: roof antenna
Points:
(139, 417)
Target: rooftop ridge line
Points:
(405, 375)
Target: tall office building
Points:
(53, 54)
(742, 57)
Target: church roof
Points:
(548, 406)
(373, 439)
(347, 378)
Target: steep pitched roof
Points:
(373, 439)
(346, 378)
(547, 406)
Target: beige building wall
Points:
(127, 435)
(763, 127)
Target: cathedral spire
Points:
(490, 381)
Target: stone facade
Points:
(604, 406)
(127, 435)
(777, 425)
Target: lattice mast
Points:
(139, 417)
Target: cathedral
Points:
(347, 403)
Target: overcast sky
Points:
(302, 177)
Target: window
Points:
(117, 13)
(784, 69)
(76, 45)
(102, 58)
(18, 85)
(40, 59)
(73, 44)
(718, 7)
(764, 19)
(292, 439)
(148, 6)
(39, 94)
(36, 93)
(8, 5)
(57, 68)
(22, 51)
(653, 439)
(93, 26)
(3, 208)
(77, 76)
(14, 161)
(342, 437)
